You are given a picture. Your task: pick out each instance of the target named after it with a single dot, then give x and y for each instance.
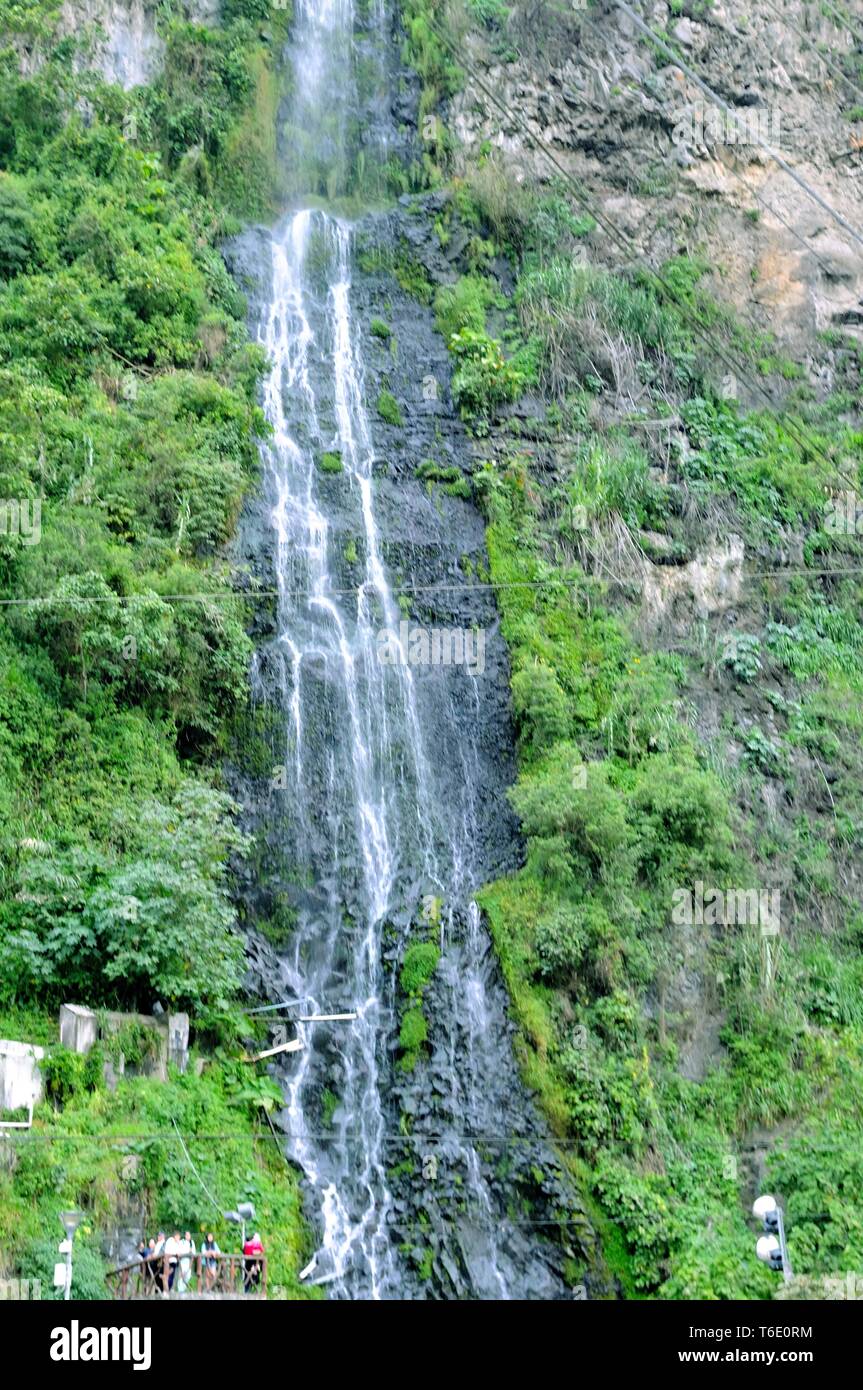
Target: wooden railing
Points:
(201, 1275)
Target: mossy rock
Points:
(419, 964)
(450, 478)
(413, 1034)
(389, 408)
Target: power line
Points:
(216, 1204)
(623, 241)
(841, 20)
(752, 192)
(550, 582)
(32, 1136)
(729, 110)
(810, 43)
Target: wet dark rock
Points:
(464, 1104)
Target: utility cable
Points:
(729, 110)
(625, 243)
(216, 1204)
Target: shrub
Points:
(18, 232)
(88, 1268)
(579, 832)
(742, 655)
(379, 329)
(412, 1036)
(483, 378)
(389, 408)
(541, 708)
(63, 1073)
(450, 477)
(585, 318)
(492, 13)
(461, 306)
(559, 943)
(642, 1209)
(419, 964)
(330, 462)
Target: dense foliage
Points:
(92, 1147)
(128, 417)
(128, 438)
(628, 791)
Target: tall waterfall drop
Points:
(385, 807)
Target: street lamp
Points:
(771, 1248)
(70, 1221)
(245, 1212)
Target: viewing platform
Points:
(202, 1276)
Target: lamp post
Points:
(771, 1248)
(70, 1221)
(245, 1212)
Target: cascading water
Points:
(379, 808)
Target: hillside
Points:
(545, 329)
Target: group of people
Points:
(169, 1262)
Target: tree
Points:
(164, 916)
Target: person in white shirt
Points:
(172, 1251)
(184, 1273)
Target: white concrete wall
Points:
(20, 1077)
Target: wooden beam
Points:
(326, 1018)
(295, 1045)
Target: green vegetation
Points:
(389, 409)
(622, 799)
(92, 1144)
(419, 964)
(379, 329)
(619, 806)
(484, 378)
(450, 478)
(128, 413)
(412, 1035)
(213, 107)
(462, 306)
(399, 262)
(331, 462)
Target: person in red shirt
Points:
(252, 1268)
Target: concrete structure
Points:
(79, 1027)
(154, 1065)
(20, 1077)
(178, 1040)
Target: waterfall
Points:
(379, 808)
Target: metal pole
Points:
(68, 1292)
(787, 1272)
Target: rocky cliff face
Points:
(614, 110)
(669, 168)
(117, 38)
